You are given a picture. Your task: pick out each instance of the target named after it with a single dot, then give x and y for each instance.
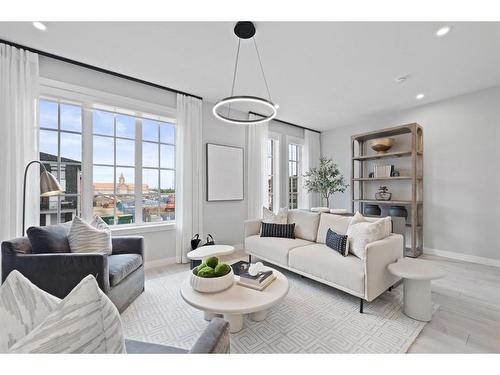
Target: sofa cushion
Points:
(49, 239)
(273, 249)
(23, 306)
(320, 261)
(122, 265)
(85, 321)
(337, 223)
(306, 224)
(90, 237)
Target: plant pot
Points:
(212, 284)
(399, 211)
(383, 196)
(372, 209)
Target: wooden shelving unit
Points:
(410, 137)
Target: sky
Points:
(154, 155)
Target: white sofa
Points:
(308, 255)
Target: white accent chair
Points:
(307, 254)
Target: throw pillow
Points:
(49, 239)
(362, 232)
(90, 238)
(278, 230)
(337, 242)
(86, 321)
(269, 216)
(23, 306)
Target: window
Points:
(293, 175)
(132, 163)
(270, 173)
(158, 171)
(61, 153)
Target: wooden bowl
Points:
(382, 145)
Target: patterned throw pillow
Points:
(23, 306)
(278, 230)
(337, 242)
(86, 321)
(90, 238)
(362, 232)
(269, 216)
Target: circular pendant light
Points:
(245, 30)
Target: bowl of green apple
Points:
(212, 276)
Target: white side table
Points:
(417, 274)
(202, 252)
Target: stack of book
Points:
(383, 171)
(259, 282)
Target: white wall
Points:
(461, 169)
(224, 220)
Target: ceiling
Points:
(322, 74)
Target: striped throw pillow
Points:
(90, 238)
(86, 321)
(23, 306)
(337, 242)
(278, 230)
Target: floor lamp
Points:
(48, 185)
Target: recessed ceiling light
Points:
(443, 31)
(39, 26)
(420, 96)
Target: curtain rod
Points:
(96, 68)
(286, 122)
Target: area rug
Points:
(313, 318)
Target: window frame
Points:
(89, 100)
(300, 145)
(275, 139)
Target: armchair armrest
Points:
(215, 338)
(58, 273)
(252, 227)
(128, 245)
(379, 255)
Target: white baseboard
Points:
(159, 263)
(463, 257)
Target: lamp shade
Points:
(49, 185)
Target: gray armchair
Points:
(120, 275)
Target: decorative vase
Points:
(381, 196)
(381, 145)
(372, 209)
(212, 284)
(399, 211)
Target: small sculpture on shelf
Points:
(395, 174)
(383, 194)
(381, 145)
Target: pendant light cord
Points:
(262, 69)
(234, 75)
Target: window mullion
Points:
(138, 171)
(87, 169)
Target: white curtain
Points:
(257, 136)
(189, 174)
(19, 139)
(310, 159)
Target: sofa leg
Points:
(361, 305)
(249, 258)
(390, 288)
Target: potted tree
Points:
(325, 180)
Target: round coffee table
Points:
(417, 274)
(238, 300)
(202, 252)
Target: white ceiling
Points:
(323, 74)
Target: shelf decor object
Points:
(245, 30)
(383, 194)
(381, 145)
(406, 153)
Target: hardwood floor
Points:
(468, 318)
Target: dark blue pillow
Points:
(49, 239)
(278, 230)
(337, 242)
